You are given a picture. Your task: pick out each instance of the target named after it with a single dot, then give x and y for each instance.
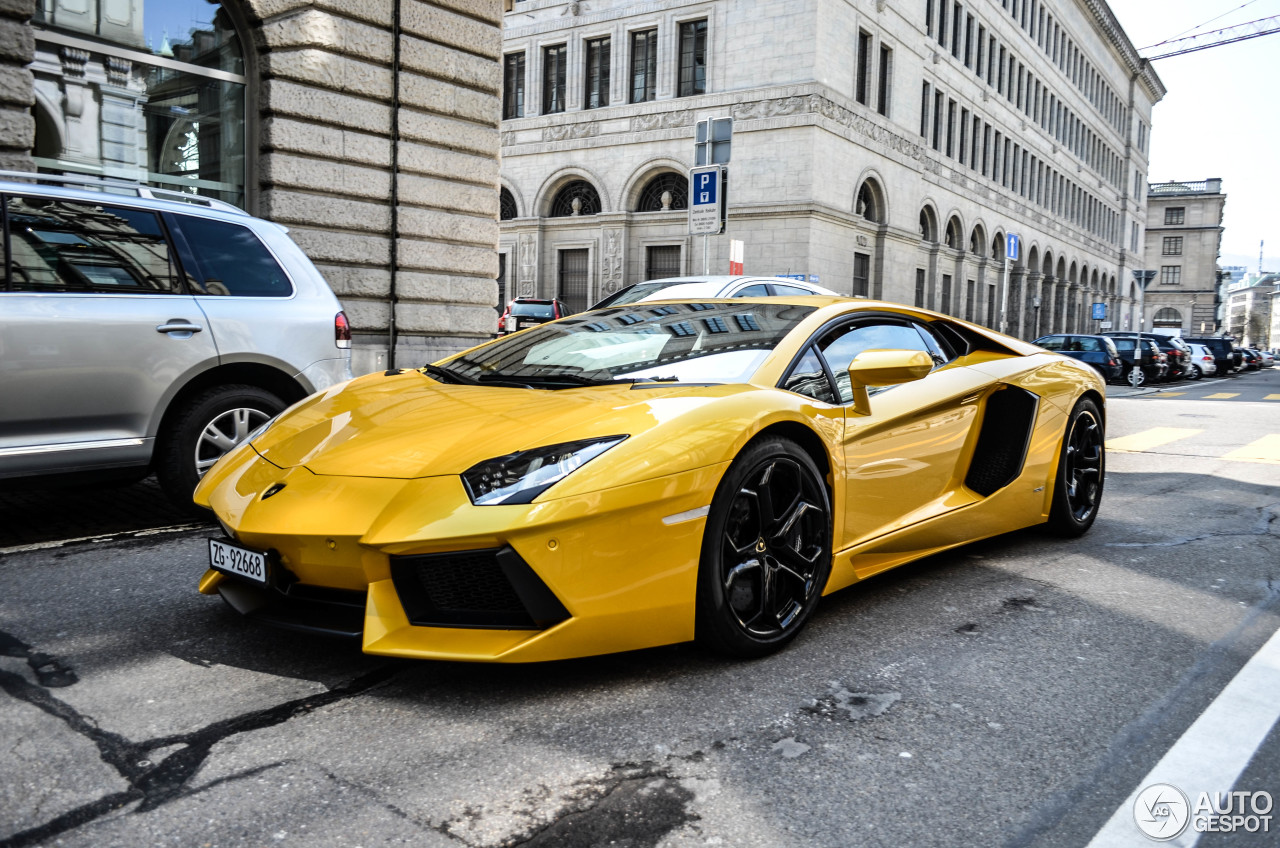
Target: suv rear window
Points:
(533, 310)
(63, 246)
(228, 259)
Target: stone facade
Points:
(17, 127)
(379, 153)
(1184, 235)
(837, 170)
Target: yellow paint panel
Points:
(1266, 449)
(1272, 397)
(1220, 396)
(1148, 439)
(1170, 394)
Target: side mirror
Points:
(884, 368)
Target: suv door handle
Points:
(177, 325)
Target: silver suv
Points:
(145, 330)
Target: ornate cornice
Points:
(1110, 27)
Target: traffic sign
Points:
(1012, 246)
(712, 141)
(705, 199)
(1099, 312)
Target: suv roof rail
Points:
(118, 184)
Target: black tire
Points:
(203, 429)
(1195, 373)
(1082, 469)
(763, 567)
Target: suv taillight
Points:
(341, 331)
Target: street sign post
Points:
(1099, 311)
(712, 142)
(705, 198)
(1012, 250)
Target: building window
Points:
(513, 85)
(924, 110)
(885, 80)
(945, 306)
(577, 198)
(506, 205)
(969, 288)
(862, 87)
(553, 59)
(597, 74)
(1172, 246)
(1133, 237)
(502, 283)
(920, 288)
(664, 192)
(991, 305)
(939, 100)
(1175, 214)
(661, 261)
(574, 280)
(693, 58)
(861, 275)
(644, 65)
(1170, 275)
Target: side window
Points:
(788, 291)
(62, 246)
(841, 346)
(228, 259)
(756, 290)
(1051, 343)
(938, 349)
(808, 378)
(1088, 344)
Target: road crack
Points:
(1262, 527)
(151, 784)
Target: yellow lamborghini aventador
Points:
(648, 474)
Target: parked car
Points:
(143, 329)
(1150, 368)
(1224, 357)
(1249, 359)
(1174, 348)
(713, 286)
(1202, 362)
(1098, 351)
(1268, 358)
(672, 474)
(529, 312)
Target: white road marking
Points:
(1215, 749)
(109, 537)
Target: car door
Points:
(95, 331)
(902, 461)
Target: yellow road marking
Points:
(1272, 397)
(1148, 439)
(1170, 394)
(1266, 449)
(1221, 396)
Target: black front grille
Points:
(486, 588)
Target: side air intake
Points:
(1007, 422)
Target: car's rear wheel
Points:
(1077, 490)
(1195, 373)
(204, 429)
(766, 552)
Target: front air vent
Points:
(492, 588)
(1007, 421)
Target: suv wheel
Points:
(204, 429)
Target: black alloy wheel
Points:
(766, 552)
(1081, 473)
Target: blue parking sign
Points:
(1099, 312)
(705, 186)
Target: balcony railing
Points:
(1213, 186)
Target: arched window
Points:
(1167, 317)
(928, 227)
(577, 198)
(868, 204)
(953, 234)
(977, 242)
(180, 93)
(675, 187)
(506, 205)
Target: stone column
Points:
(17, 49)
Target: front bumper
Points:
(621, 564)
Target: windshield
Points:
(638, 292)
(679, 342)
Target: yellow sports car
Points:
(648, 474)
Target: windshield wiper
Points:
(447, 375)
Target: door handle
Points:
(179, 326)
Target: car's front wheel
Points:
(766, 551)
(204, 429)
(1077, 489)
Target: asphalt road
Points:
(1015, 692)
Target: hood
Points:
(408, 425)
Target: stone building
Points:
(884, 148)
(1251, 311)
(1184, 235)
(369, 129)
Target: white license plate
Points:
(234, 559)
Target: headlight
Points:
(518, 478)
